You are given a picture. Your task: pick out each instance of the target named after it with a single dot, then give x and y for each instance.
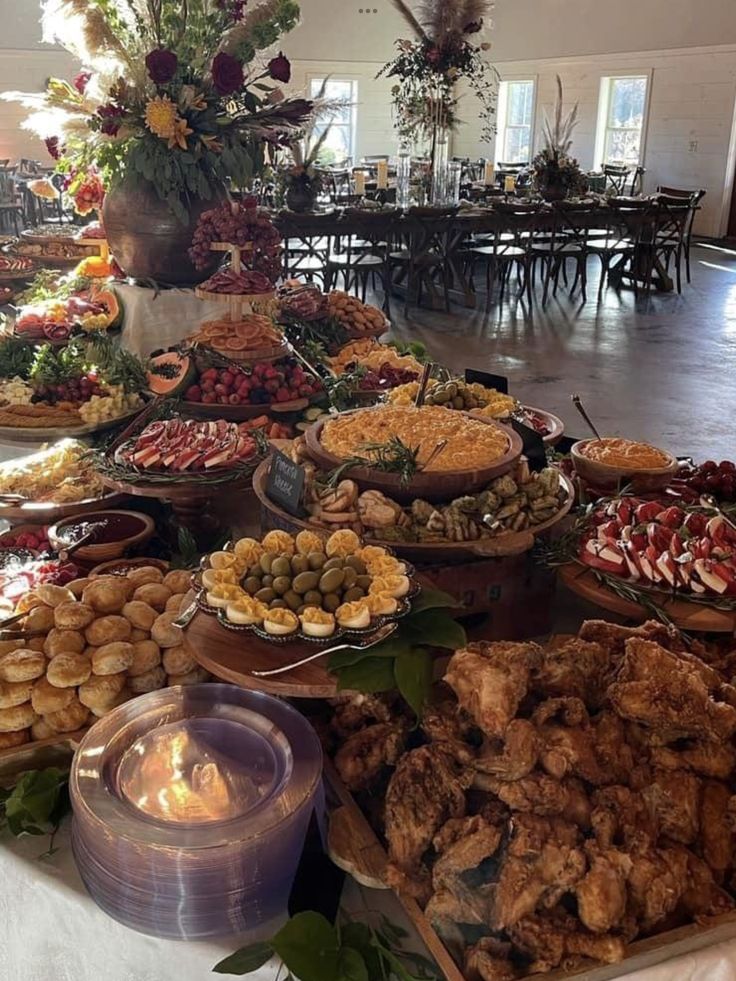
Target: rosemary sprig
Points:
(393, 456)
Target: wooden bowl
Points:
(435, 485)
(555, 425)
(608, 477)
(104, 551)
(119, 567)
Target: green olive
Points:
(364, 582)
(330, 602)
(331, 580)
(316, 560)
(277, 604)
(355, 593)
(299, 564)
(252, 584)
(300, 609)
(266, 562)
(281, 566)
(281, 585)
(458, 402)
(293, 600)
(353, 562)
(334, 563)
(255, 570)
(350, 577)
(313, 598)
(266, 595)
(305, 581)
(267, 580)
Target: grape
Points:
(245, 226)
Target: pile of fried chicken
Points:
(555, 802)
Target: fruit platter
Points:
(680, 558)
(51, 484)
(84, 387)
(249, 337)
(305, 588)
(54, 320)
(408, 452)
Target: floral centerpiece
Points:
(426, 69)
(176, 98)
(556, 174)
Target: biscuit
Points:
(39, 620)
(28, 602)
(107, 630)
(74, 716)
(195, 677)
(22, 665)
(103, 708)
(178, 580)
(165, 633)
(150, 681)
(8, 740)
(144, 574)
(179, 660)
(113, 658)
(77, 586)
(101, 689)
(174, 603)
(155, 594)
(136, 635)
(15, 693)
(41, 730)
(64, 641)
(36, 643)
(45, 697)
(18, 717)
(140, 615)
(73, 616)
(68, 670)
(108, 594)
(53, 595)
(147, 655)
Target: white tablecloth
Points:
(157, 320)
(51, 929)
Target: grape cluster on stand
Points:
(243, 224)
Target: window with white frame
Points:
(621, 118)
(339, 144)
(515, 118)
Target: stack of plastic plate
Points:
(191, 806)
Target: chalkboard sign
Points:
(499, 382)
(286, 483)
(534, 449)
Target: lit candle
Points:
(359, 178)
(488, 175)
(382, 174)
(509, 183)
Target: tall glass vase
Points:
(403, 177)
(440, 167)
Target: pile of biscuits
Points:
(88, 647)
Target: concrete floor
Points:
(661, 370)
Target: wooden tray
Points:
(432, 486)
(354, 846)
(18, 434)
(233, 656)
(696, 617)
(513, 543)
(48, 512)
(54, 751)
(240, 413)
(243, 298)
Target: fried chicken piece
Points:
(446, 723)
(426, 789)
(577, 667)
(716, 834)
(656, 657)
(622, 817)
(537, 793)
(355, 710)
(658, 690)
(477, 842)
(490, 681)
(613, 637)
(362, 757)
(570, 751)
(543, 860)
(708, 759)
(456, 903)
(488, 960)
(601, 894)
(611, 749)
(568, 710)
(674, 796)
(515, 758)
(550, 939)
(703, 896)
(657, 880)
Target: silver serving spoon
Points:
(356, 645)
(578, 403)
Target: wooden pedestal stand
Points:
(97, 243)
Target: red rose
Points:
(161, 65)
(81, 81)
(52, 145)
(111, 119)
(279, 68)
(227, 74)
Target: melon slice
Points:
(170, 373)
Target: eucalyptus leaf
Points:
(308, 945)
(351, 966)
(413, 674)
(245, 960)
(371, 675)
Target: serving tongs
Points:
(354, 644)
(578, 403)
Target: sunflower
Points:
(180, 134)
(162, 117)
